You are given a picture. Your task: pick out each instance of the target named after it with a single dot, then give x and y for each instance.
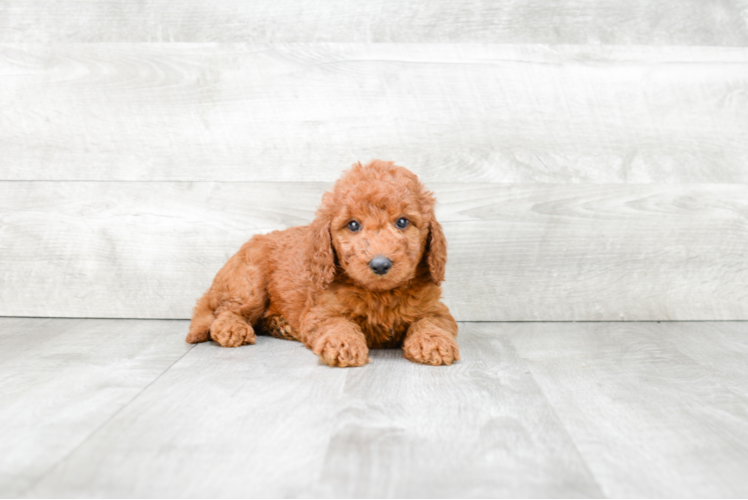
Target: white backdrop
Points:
(590, 157)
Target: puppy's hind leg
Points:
(236, 299)
(232, 330)
(202, 318)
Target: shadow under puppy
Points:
(364, 274)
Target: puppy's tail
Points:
(202, 318)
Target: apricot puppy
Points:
(365, 274)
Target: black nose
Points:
(380, 265)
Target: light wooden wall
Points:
(590, 157)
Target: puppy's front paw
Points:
(431, 348)
(231, 330)
(342, 349)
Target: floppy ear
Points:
(320, 254)
(436, 252)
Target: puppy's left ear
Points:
(436, 252)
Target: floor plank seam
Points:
(704, 366)
(316, 481)
(582, 458)
(51, 469)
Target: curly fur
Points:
(313, 283)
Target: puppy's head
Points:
(378, 224)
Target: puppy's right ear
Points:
(319, 251)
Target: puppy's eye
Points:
(402, 223)
(354, 226)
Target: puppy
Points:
(365, 274)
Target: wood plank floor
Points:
(123, 408)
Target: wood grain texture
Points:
(60, 380)
(581, 253)
(269, 421)
(478, 429)
(725, 353)
(303, 111)
(648, 420)
(531, 410)
(516, 253)
(677, 22)
(222, 422)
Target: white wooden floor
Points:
(122, 408)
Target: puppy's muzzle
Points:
(380, 265)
